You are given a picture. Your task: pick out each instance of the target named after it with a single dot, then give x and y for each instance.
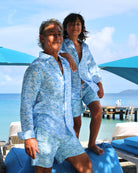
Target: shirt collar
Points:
(45, 56)
(67, 40)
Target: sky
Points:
(112, 26)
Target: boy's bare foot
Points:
(96, 149)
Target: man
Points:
(46, 118)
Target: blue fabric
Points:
(46, 98)
(120, 144)
(126, 68)
(88, 95)
(132, 141)
(12, 57)
(107, 162)
(131, 62)
(17, 161)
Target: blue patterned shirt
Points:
(87, 70)
(46, 98)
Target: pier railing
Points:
(110, 112)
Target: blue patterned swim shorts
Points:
(51, 147)
(87, 96)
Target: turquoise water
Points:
(10, 112)
(105, 132)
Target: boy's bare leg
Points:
(81, 163)
(77, 125)
(39, 169)
(96, 118)
(96, 113)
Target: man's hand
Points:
(70, 60)
(31, 147)
(100, 91)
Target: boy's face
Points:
(53, 39)
(74, 28)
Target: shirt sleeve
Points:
(94, 69)
(30, 89)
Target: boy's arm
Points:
(70, 60)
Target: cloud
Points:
(104, 49)
(128, 49)
(133, 43)
(103, 38)
(101, 44)
(21, 38)
(90, 9)
(41, 9)
(11, 15)
(4, 79)
(11, 78)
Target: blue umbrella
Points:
(12, 57)
(126, 68)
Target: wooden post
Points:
(135, 118)
(111, 111)
(121, 114)
(103, 113)
(114, 113)
(108, 116)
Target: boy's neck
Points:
(74, 40)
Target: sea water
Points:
(10, 112)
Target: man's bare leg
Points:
(96, 118)
(81, 163)
(39, 169)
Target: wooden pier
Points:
(124, 112)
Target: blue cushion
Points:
(27, 168)
(120, 144)
(105, 163)
(132, 141)
(15, 160)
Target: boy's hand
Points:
(100, 91)
(70, 60)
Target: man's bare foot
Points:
(96, 149)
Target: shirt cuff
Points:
(26, 135)
(97, 79)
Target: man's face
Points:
(53, 39)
